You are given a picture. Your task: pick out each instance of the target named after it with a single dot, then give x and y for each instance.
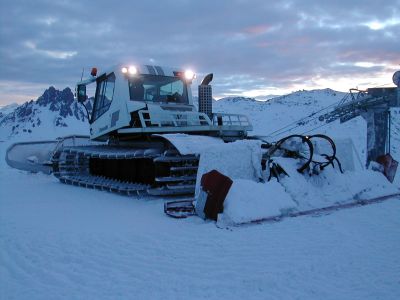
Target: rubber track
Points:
(71, 166)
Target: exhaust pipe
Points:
(205, 96)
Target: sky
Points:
(253, 47)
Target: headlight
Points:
(132, 70)
(189, 75)
(124, 70)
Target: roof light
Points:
(189, 75)
(94, 72)
(124, 70)
(132, 70)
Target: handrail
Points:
(172, 118)
(222, 119)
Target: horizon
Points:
(253, 49)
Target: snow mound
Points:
(331, 186)
(191, 144)
(238, 160)
(251, 200)
(248, 200)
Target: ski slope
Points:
(66, 242)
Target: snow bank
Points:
(248, 200)
(190, 144)
(237, 160)
(331, 187)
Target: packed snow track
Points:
(63, 242)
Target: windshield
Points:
(158, 89)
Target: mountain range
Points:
(55, 110)
(56, 113)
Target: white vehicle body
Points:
(157, 111)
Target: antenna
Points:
(83, 70)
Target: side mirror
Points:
(81, 93)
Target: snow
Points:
(47, 129)
(6, 109)
(248, 200)
(191, 144)
(238, 160)
(331, 187)
(53, 114)
(66, 242)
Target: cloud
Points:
(257, 30)
(257, 45)
(50, 53)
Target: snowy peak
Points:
(301, 97)
(265, 97)
(57, 100)
(54, 109)
(234, 99)
(304, 97)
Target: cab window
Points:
(104, 95)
